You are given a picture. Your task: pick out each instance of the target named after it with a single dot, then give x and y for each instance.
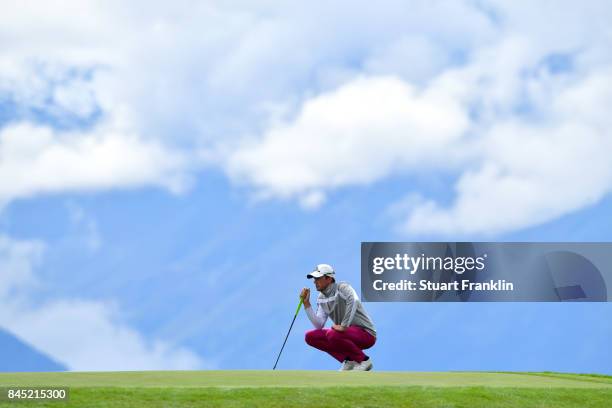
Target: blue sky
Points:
(170, 173)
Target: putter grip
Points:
(299, 306)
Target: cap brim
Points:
(314, 274)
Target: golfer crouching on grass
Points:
(352, 331)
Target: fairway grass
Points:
(318, 389)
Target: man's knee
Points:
(312, 335)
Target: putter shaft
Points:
(289, 331)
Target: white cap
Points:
(322, 270)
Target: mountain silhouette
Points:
(16, 355)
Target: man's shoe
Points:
(365, 365)
(347, 365)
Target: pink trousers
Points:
(342, 345)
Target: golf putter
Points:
(287, 336)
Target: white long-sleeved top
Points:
(340, 302)
(317, 318)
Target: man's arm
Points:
(317, 318)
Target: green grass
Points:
(319, 389)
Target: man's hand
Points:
(338, 327)
(305, 296)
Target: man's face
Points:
(322, 282)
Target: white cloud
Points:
(312, 200)
(199, 77)
(519, 132)
(533, 172)
(85, 335)
(89, 336)
(38, 159)
(16, 261)
(86, 227)
(194, 67)
(414, 58)
(360, 133)
(76, 97)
